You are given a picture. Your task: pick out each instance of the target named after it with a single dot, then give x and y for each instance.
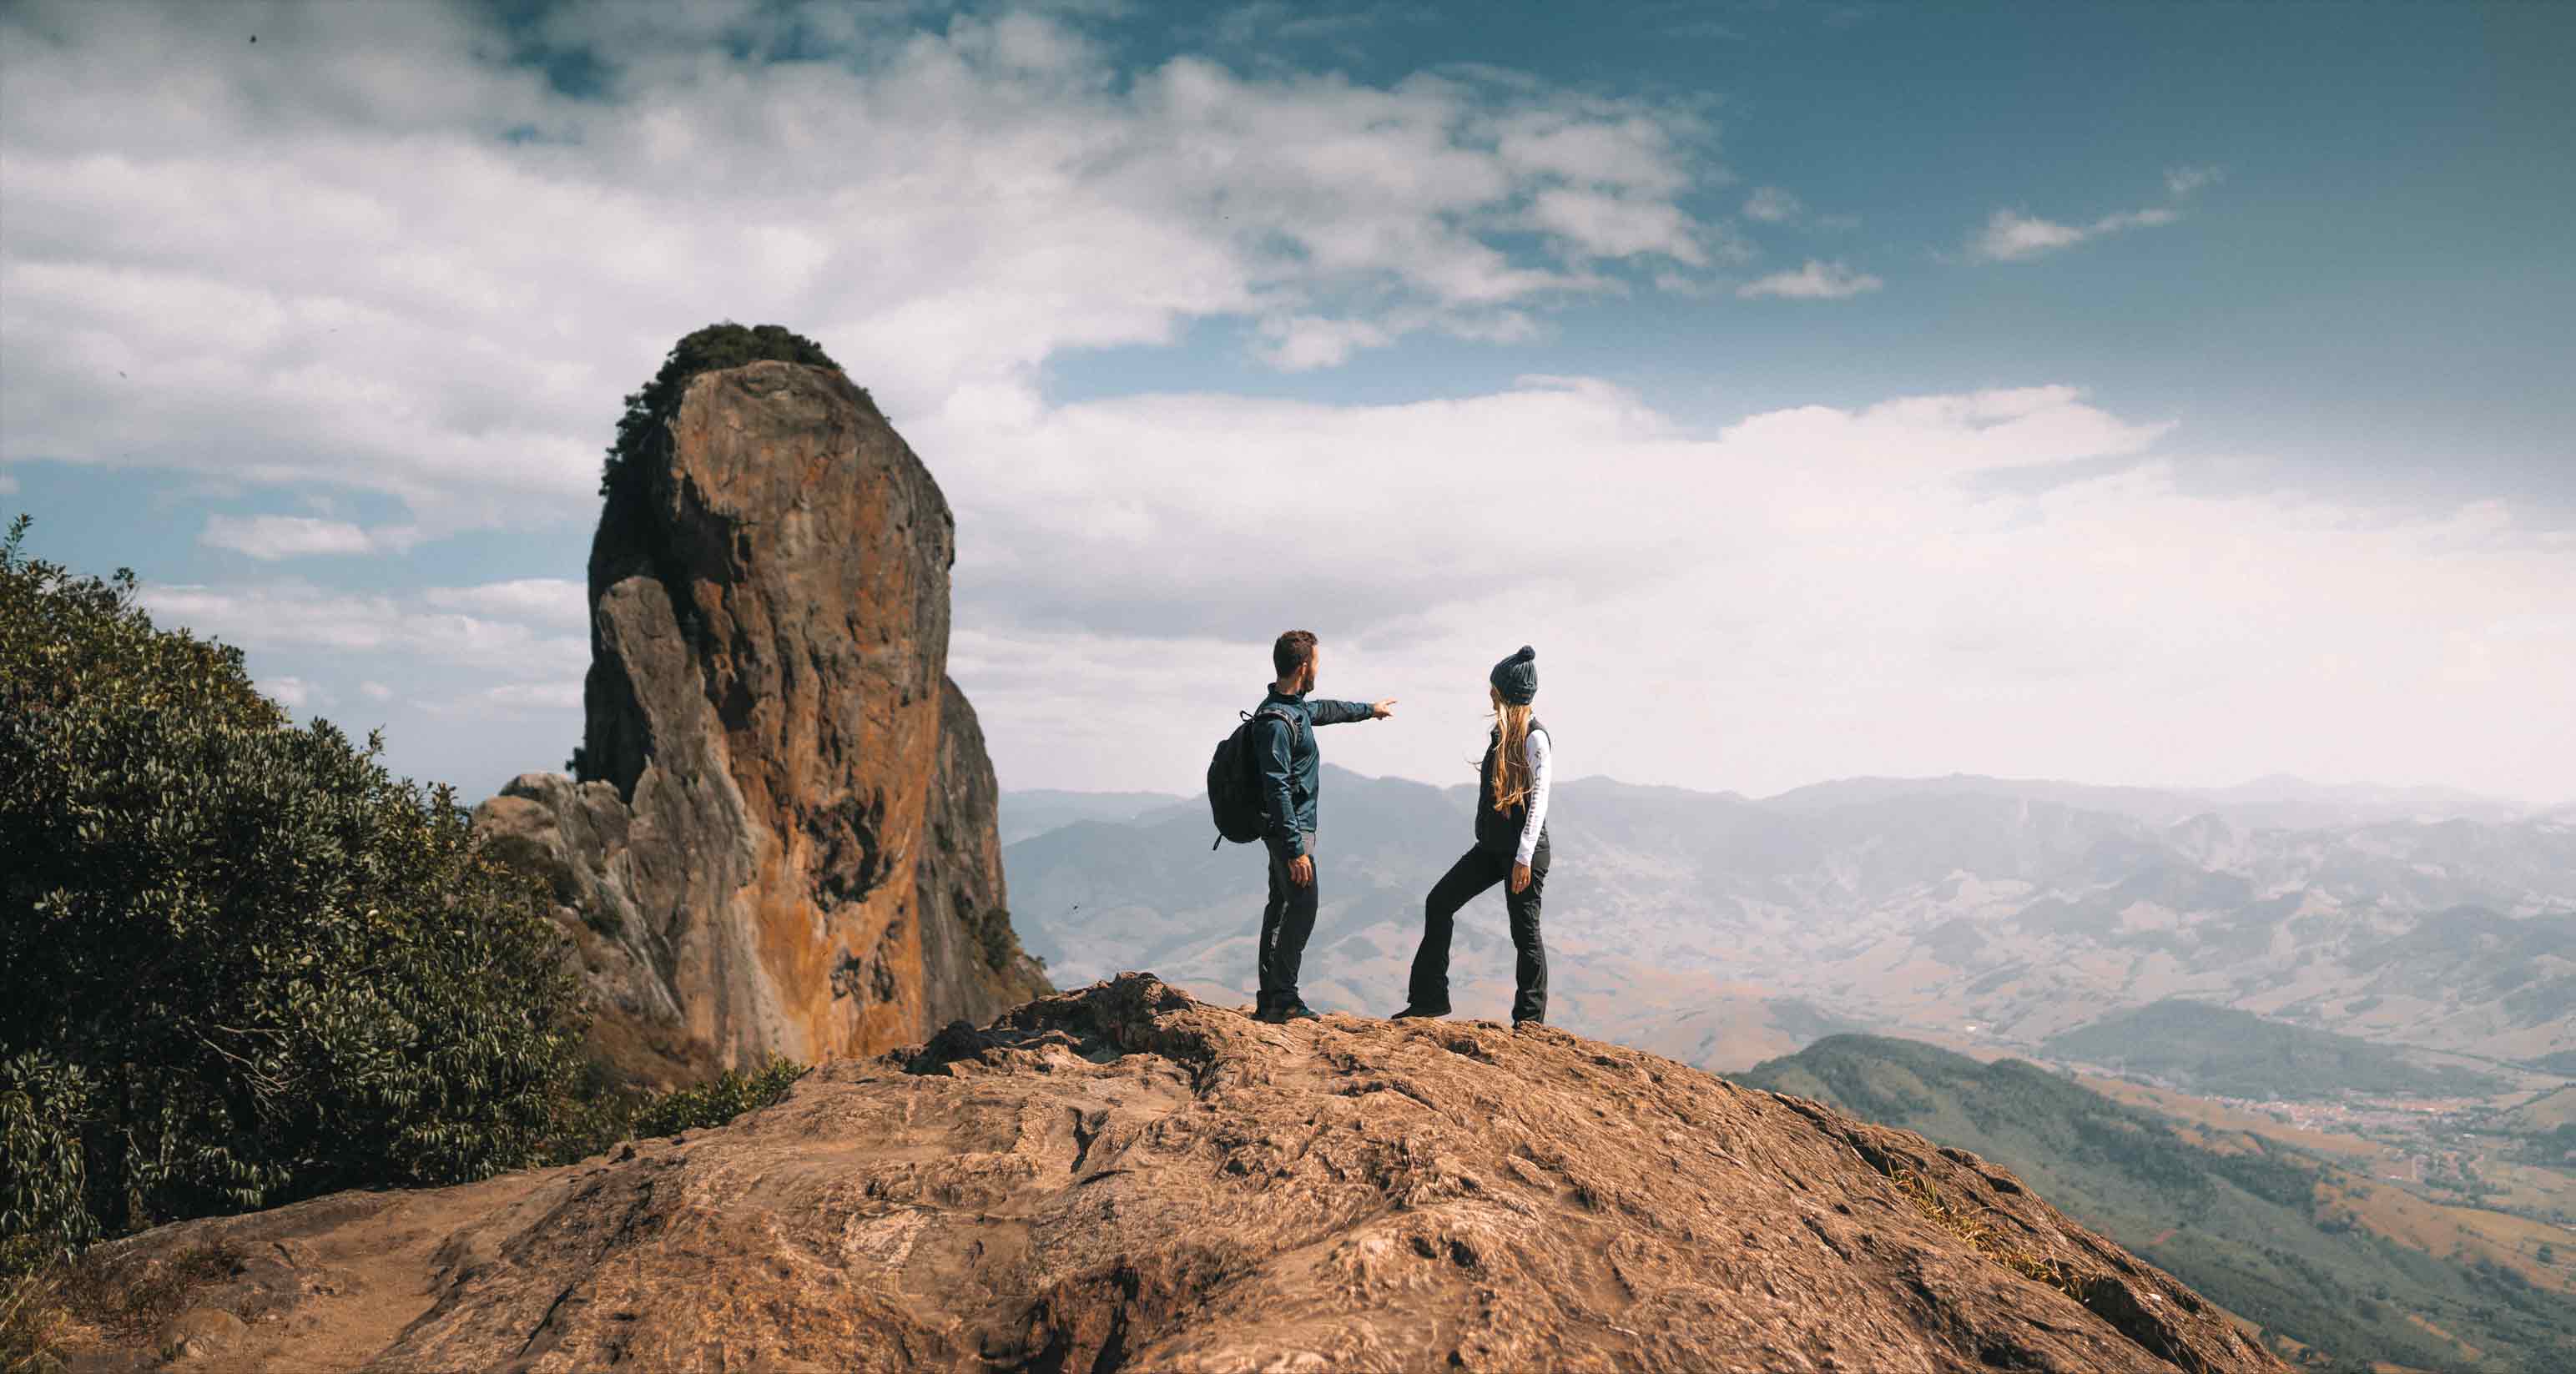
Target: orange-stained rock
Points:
(785, 842)
(1125, 1178)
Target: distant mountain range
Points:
(1723, 930)
(2222, 1052)
(1038, 811)
(2292, 1241)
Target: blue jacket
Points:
(1290, 767)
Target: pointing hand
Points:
(1380, 710)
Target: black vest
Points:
(1500, 831)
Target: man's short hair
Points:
(1290, 654)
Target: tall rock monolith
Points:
(782, 834)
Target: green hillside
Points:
(2228, 1053)
(2229, 1215)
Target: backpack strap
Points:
(1286, 717)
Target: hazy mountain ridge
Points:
(1039, 810)
(1929, 905)
(2306, 1248)
(2219, 1051)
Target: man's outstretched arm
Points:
(1329, 712)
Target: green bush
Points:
(240, 965)
(719, 1100)
(711, 349)
(42, 1212)
(598, 1114)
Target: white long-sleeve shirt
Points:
(1537, 752)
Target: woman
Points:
(1510, 848)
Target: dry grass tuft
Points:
(2030, 1264)
(33, 1321)
(127, 1301)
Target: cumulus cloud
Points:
(1771, 205)
(1829, 591)
(299, 615)
(1817, 281)
(367, 252)
(269, 538)
(1109, 515)
(293, 693)
(553, 602)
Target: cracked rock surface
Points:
(1126, 1178)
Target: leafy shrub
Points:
(712, 349)
(719, 1100)
(42, 1211)
(599, 1115)
(240, 965)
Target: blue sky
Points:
(2163, 393)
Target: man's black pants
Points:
(1287, 919)
(1479, 869)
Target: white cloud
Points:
(2010, 235)
(327, 261)
(1169, 515)
(554, 602)
(273, 537)
(1600, 224)
(2014, 235)
(2182, 181)
(294, 693)
(298, 615)
(2149, 218)
(517, 698)
(1811, 592)
(375, 691)
(1824, 281)
(1771, 205)
(8, 485)
(1302, 342)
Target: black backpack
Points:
(1234, 779)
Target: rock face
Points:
(1124, 1178)
(785, 836)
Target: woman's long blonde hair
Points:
(1512, 770)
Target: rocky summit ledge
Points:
(1123, 1177)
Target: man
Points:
(1290, 767)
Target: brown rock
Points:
(198, 1335)
(1124, 1178)
(786, 840)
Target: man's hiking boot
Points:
(1412, 1012)
(1294, 1011)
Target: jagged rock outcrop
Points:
(1125, 1178)
(785, 840)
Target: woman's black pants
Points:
(1477, 870)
